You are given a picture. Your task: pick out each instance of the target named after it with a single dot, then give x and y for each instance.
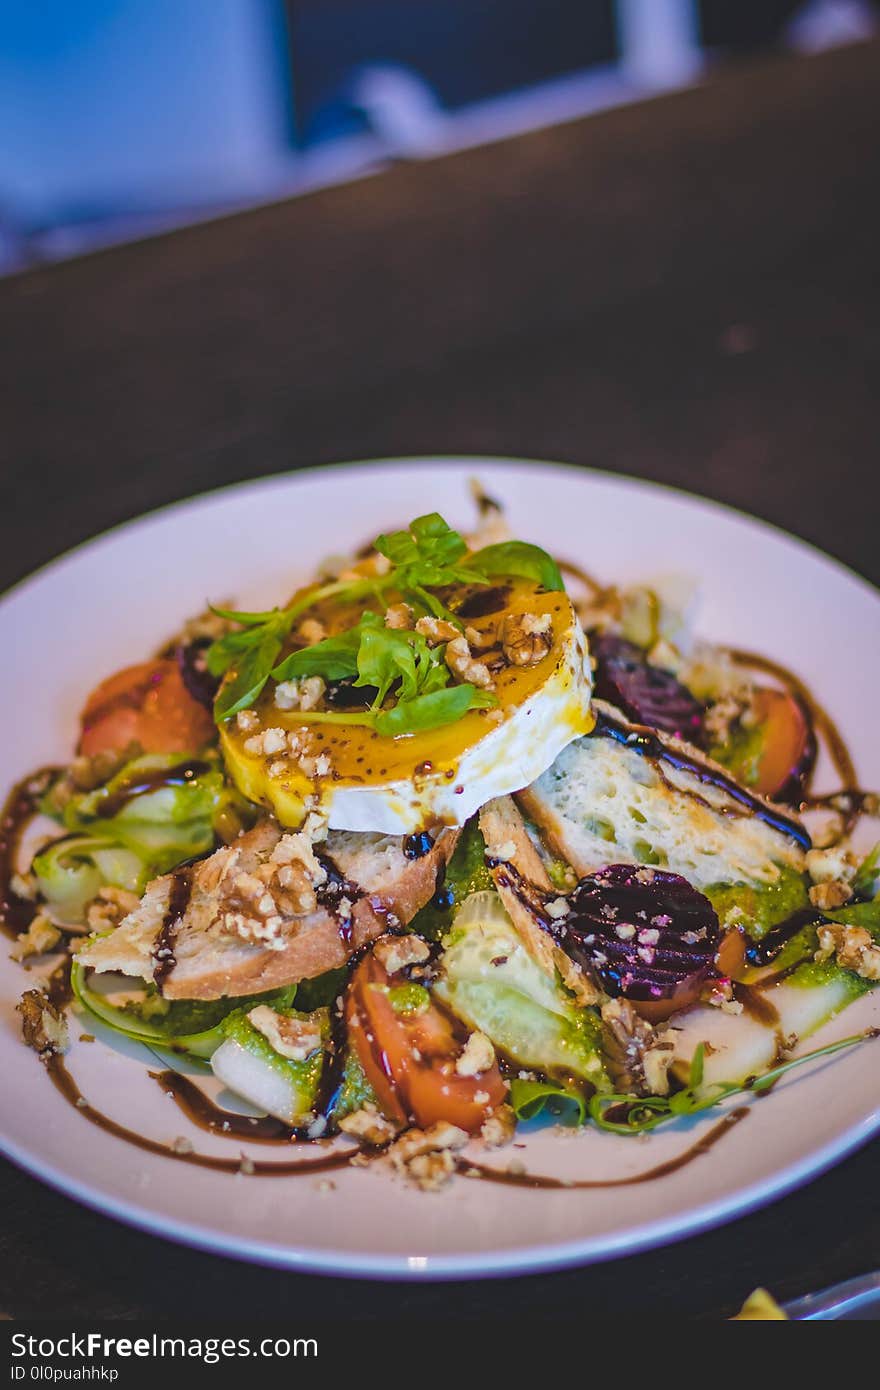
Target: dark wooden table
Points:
(685, 290)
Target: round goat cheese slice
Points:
(294, 761)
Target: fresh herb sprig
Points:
(427, 555)
(642, 1113)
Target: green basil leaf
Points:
(517, 560)
(432, 710)
(251, 674)
(529, 1099)
(336, 658)
(245, 619)
(384, 656)
(226, 650)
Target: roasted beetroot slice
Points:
(646, 934)
(644, 692)
(194, 672)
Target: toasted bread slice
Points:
(627, 795)
(229, 940)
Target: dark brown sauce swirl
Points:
(19, 809)
(67, 1087)
(484, 602)
(141, 783)
(850, 801)
(661, 1170)
(164, 959)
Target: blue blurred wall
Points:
(110, 104)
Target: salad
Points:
(457, 838)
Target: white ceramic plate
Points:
(116, 598)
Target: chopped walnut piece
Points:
(499, 1128)
(462, 664)
(426, 1156)
(110, 907)
(399, 616)
(296, 1038)
(639, 1056)
(436, 630)
(312, 631)
(43, 1026)
(828, 896)
(832, 865)
(853, 947)
(477, 1056)
(41, 936)
(369, 1125)
(526, 638)
(395, 952)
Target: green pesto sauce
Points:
(304, 1075)
(356, 1091)
(741, 753)
(409, 999)
(466, 873)
(813, 974)
(179, 1017)
(758, 908)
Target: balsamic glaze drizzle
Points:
(19, 809)
(648, 743)
(164, 959)
(143, 782)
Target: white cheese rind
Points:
(508, 757)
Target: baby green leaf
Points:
(335, 658)
(252, 671)
(431, 710)
(517, 560)
(529, 1099)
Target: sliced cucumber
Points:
(741, 1046)
(490, 981)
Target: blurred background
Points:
(120, 118)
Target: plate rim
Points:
(633, 480)
(515, 1261)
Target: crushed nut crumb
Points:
(462, 664)
(295, 1038)
(43, 1025)
(526, 638)
(395, 952)
(477, 1056)
(853, 947)
(41, 936)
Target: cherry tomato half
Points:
(409, 1058)
(146, 704)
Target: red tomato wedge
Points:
(146, 704)
(409, 1060)
(788, 747)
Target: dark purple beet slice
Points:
(646, 934)
(194, 672)
(644, 692)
